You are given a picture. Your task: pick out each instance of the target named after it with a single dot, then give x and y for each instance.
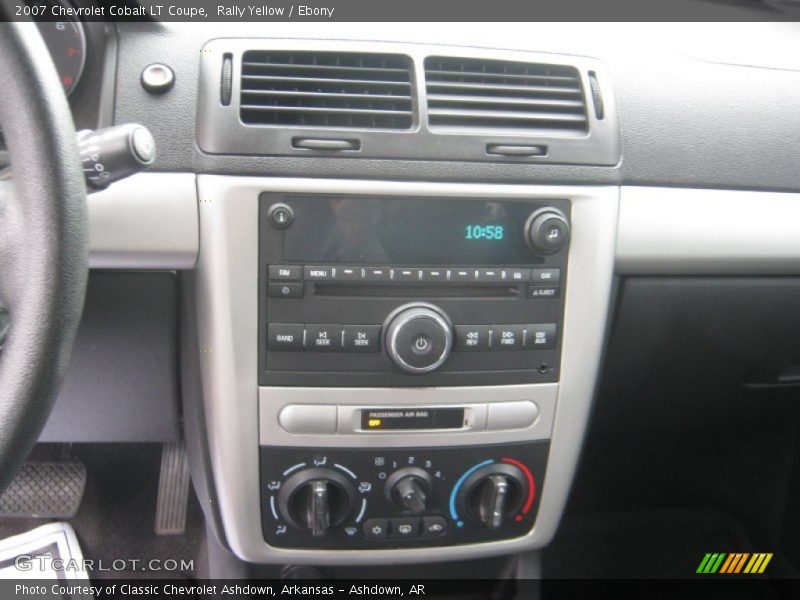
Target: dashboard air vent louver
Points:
(326, 89)
(476, 94)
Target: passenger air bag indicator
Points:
(382, 419)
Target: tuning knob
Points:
(547, 231)
(408, 488)
(316, 499)
(493, 493)
(418, 337)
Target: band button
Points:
(285, 337)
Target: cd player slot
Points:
(412, 290)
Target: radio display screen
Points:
(402, 230)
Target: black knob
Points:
(493, 493)
(547, 231)
(409, 489)
(316, 499)
(418, 337)
(113, 153)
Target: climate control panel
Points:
(357, 499)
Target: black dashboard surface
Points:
(684, 121)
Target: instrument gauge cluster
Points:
(66, 42)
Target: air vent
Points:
(475, 94)
(326, 89)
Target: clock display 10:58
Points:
(484, 232)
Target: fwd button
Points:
(362, 338)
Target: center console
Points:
(393, 368)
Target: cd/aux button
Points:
(541, 336)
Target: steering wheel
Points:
(43, 241)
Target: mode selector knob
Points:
(316, 500)
(547, 231)
(418, 337)
(408, 488)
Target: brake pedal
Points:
(173, 490)
(50, 490)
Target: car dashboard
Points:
(373, 276)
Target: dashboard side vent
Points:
(326, 89)
(477, 94)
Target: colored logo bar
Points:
(734, 563)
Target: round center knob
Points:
(418, 337)
(408, 488)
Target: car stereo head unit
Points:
(410, 291)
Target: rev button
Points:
(472, 338)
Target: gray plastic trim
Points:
(350, 401)
(709, 232)
(221, 131)
(227, 316)
(148, 221)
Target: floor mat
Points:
(49, 552)
(649, 544)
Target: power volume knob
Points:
(418, 337)
(547, 231)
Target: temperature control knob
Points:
(418, 337)
(316, 500)
(409, 489)
(547, 231)
(493, 493)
